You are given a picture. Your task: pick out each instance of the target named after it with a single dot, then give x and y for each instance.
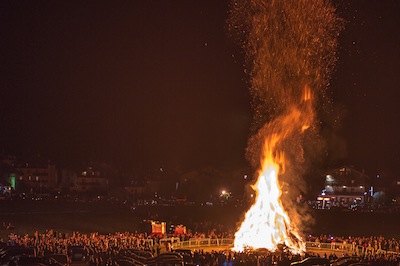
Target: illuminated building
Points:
(93, 178)
(36, 177)
(345, 187)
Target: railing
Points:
(228, 242)
(348, 248)
(197, 242)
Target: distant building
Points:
(7, 174)
(135, 190)
(66, 179)
(396, 188)
(344, 187)
(395, 191)
(6, 185)
(36, 177)
(91, 180)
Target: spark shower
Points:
(290, 48)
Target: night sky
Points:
(146, 83)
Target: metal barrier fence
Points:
(348, 248)
(197, 242)
(226, 242)
(149, 241)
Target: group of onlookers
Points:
(100, 249)
(372, 244)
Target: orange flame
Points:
(266, 223)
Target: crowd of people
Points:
(100, 249)
(372, 244)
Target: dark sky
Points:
(366, 85)
(146, 82)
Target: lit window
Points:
(329, 178)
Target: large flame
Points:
(290, 47)
(266, 223)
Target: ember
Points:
(290, 47)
